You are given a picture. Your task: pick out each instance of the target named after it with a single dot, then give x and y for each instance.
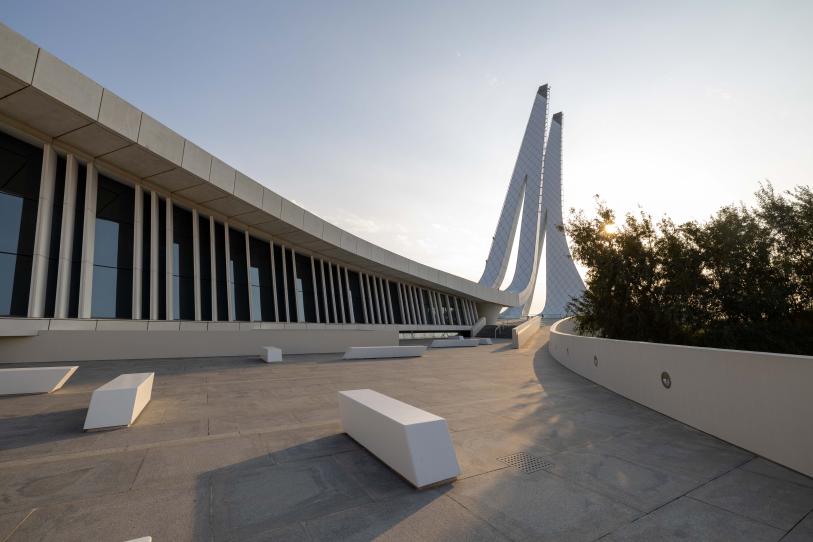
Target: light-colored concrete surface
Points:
(382, 352)
(207, 458)
(455, 343)
(119, 402)
(757, 400)
(413, 442)
(23, 380)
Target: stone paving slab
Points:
(769, 500)
(688, 519)
(232, 449)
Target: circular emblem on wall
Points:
(666, 380)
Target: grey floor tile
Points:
(179, 515)
(249, 499)
(687, 520)
(11, 522)
(769, 500)
(540, 506)
(641, 487)
(802, 532)
(420, 516)
(769, 468)
(24, 487)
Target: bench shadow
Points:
(327, 488)
(59, 428)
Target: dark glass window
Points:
(56, 229)
(355, 294)
(281, 292)
(20, 169)
(319, 297)
(112, 295)
(304, 287)
(183, 265)
(330, 295)
(146, 256)
(293, 300)
(262, 291)
(220, 267)
(205, 268)
(78, 239)
(162, 259)
(238, 275)
(396, 305)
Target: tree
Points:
(743, 279)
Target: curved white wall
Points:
(759, 401)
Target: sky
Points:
(401, 121)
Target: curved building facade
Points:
(119, 238)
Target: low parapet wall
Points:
(524, 331)
(78, 345)
(760, 401)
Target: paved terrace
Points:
(233, 449)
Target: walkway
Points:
(233, 449)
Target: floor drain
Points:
(525, 462)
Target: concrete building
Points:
(119, 238)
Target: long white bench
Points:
(271, 354)
(485, 340)
(454, 343)
(23, 380)
(376, 352)
(119, 402)
(411, 441)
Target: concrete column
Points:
(332, 291)
(154, 267)
(433, 308)
(213, 267)
(88, 241)
(363, 298)
(457, 311)
(449, 309)
(63, 284)
(274, 283)
(384, 306)
(419, 304)
(476, 312)
(170, 267)
(296, 297)
(466, 314)
(251, 316)
(42, 234)
(409, 306)
(374, 298)
(196, 260)
(471, 312)
(324, 292)
(349, 297)
(423, 307)
(389, 301)
(229, 278)
(138, 250)
(315, 288)
(404, 303)
(401, 302)
(414, 302)
(341, 294)
(285, 285)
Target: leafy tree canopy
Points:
(742, 280)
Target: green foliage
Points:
(742, 280)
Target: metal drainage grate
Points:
(526, 462)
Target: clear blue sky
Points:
(401, 122)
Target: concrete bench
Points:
(485, 340)
(119, 402)
(411, 441)
(271, 354)
(454, 343)
(25, 380)
(377, 352)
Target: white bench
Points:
(119, 402)
(375, 352)
(271, 354)
(485, 340)
(454, 343)
(24, 380)
(411, 441)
